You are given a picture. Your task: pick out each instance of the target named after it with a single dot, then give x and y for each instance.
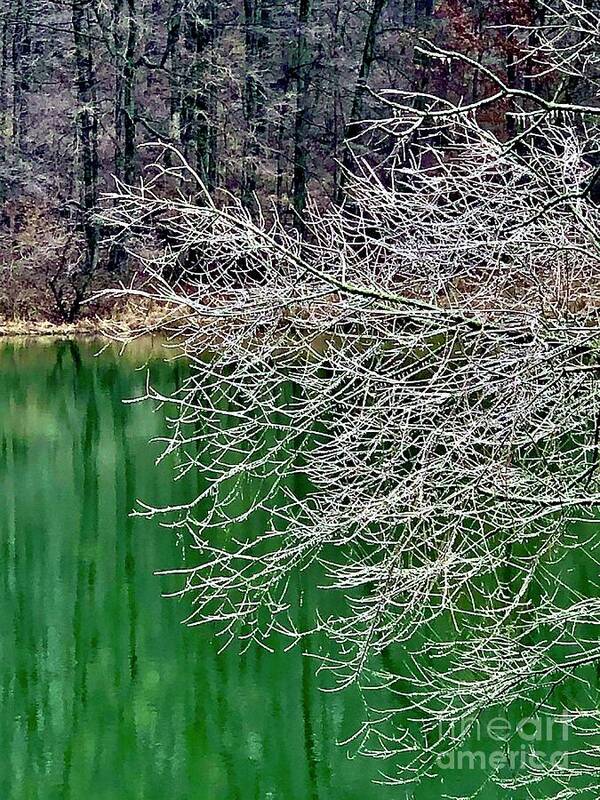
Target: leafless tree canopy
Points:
(401, 399)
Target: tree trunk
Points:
(4, 107)
(197, 108)
(87, 128)
(302, 114)
(21, 55)
(255, 20)
(356, 112)
(511, 80)
(172, 56)
(124, 31)
(423, 11)
(125, 40)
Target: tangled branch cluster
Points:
(402, 403)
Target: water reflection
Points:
(104, 693)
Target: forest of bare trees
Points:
(370, 234)
(263, 98)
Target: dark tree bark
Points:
(197, 108)
(21, 56)
(423, 10)
(512, 81)
(124, 33)
(172, 58)
(4, 67)
(302, 114)
(255, 40)
(364, 71)
(125, 29)
(87, 128)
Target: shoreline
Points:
(122, 318)
(126, 321)
(42, 328)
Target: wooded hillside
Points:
(261, 96)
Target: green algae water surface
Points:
(104, 694)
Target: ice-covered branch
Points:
(402, 405)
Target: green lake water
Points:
(104, 694)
